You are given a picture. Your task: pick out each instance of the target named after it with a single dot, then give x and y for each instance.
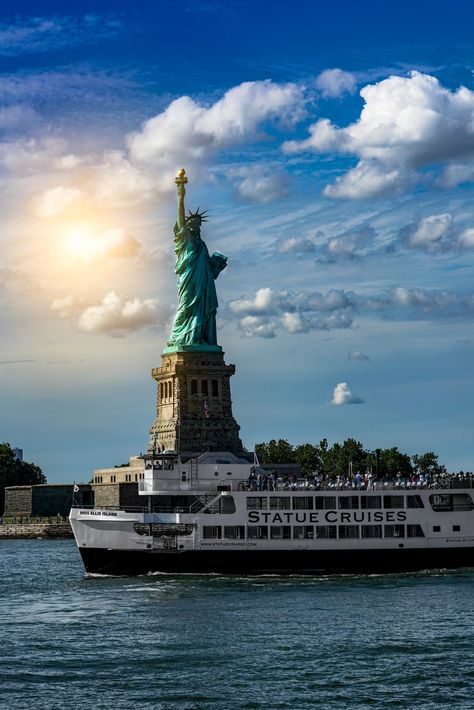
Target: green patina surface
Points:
(194, 327)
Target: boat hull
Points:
(281, 562)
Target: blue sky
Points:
(334, 148)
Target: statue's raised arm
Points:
(181, 181)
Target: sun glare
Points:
(81, 240)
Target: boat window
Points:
(225, 506)
(326, 531)
(346, 531)
(157, 464)
(325, 502)
(415, 531)
(302, 502)
(279, 503)
(348, 502)
(257, 532)
(211, 532)
(371, 531)
(393, 502)
(414, 502)
(234, 532)
(303, 532)
(394, 531)
(456, 528)
(280, 532)
(257, 503)
(370, 502)
(436, 528)
(441, 502)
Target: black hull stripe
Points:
(134, 562)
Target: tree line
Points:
(16, 473)
(340, 459)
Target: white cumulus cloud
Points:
(368, 179)
(296, 245)
(262, 303)
(406, 123)
(253, 326)
(343, 395)
(351, 244)
(188, 132)
(57, 200)
(428, 232)
(335, 82)
(466, 239)
(294, 312)
(358, 356)
(115, 315)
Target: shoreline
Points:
(32, 531)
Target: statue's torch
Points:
(181, 181)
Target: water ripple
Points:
(205, 642)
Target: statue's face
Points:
(194, 225)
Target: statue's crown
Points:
(201, 216)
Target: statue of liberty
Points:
(194, 326)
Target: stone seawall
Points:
(11, 531)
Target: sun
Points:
(81, 240)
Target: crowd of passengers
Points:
(261, 480)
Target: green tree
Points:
(16, 473)
(342, 457)
(308, 457)
(428, 464)
(393, 461)
(275, 452)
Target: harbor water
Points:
(197, 642)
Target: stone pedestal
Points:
(193, 405)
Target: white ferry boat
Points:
(205, 515)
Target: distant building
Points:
(110, 488)
(118, 486)
(130, 473)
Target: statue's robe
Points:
(195, 320)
